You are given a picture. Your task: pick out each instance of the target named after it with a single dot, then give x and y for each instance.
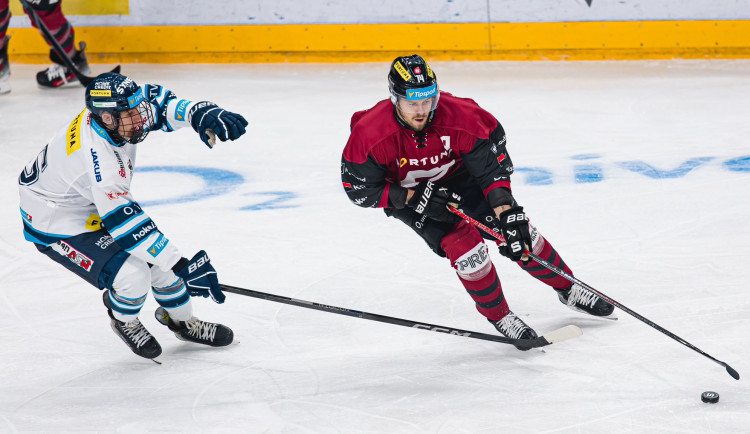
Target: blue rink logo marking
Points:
(218, 182)
(588, 170)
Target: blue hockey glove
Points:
(211, 121)
(200, 277)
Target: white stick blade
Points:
(563, 334)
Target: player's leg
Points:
(465, 249)
(50, 13)
(4, 65)
(176, 312)
(572, 295)
(97, 259)
(468, 254)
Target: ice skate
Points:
(59, 74)
(581, 300)
(512, 327)
(195, 330)
(134, 334)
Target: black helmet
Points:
(118, 95)
(411, 81)
(412, 73)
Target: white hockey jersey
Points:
(80, 182)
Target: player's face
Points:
(415, 113)
(131, 121)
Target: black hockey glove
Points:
(199, 277)
(514, 227)
(432, 200)
(211, 121)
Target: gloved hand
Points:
(210, 121)
(199, 277)
(514, 227)
(432, 201)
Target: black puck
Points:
(710, 397)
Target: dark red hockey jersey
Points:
(384, 157)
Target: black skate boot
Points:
(512, 327)
(4, 68)
(581, 300)
(195, 330)
(134, 334)
(58, 74)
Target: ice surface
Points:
(637, 172)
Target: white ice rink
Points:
(637, 172)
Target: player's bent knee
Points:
(133, 279)
(474, 264)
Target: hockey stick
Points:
(555, 336)
(83, 79)
(572, 279)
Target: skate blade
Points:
(611, 317)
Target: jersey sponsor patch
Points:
(158, 245)
(26, 216)
(179, 113)
(74, 134)
(94, 222)
(73, 255)
(97, 169)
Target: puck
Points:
(710, 397)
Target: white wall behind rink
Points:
(265, 12)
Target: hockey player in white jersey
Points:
(77, 209)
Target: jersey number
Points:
(32, 171)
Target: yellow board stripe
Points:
(332, 43)
(84, 7)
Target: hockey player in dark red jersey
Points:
(423, 149)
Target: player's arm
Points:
(489, 162)
(366, 185)
(206, 118)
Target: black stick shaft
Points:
(573, 279)
(82, 78)
(376, 317)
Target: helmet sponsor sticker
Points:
(106, 104)
(429, 71)
(402, 71)
(99, 92)
(426, 92)
(136, 98)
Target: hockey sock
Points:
(124, 309)
(59, 27)
(175, 300)
(4, 22)
(468, 254)
(549, 254)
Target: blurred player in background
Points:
(423, 149)
(77, 209)
(58, 74)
